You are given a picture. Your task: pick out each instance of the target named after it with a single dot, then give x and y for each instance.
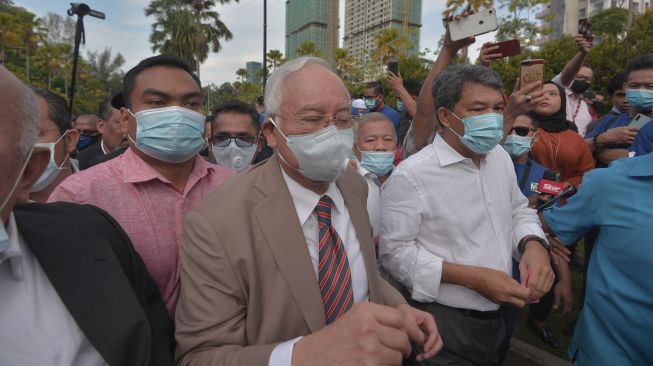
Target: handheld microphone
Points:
(563, 194)
(550, 183)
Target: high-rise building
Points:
(364, 19)
(253, 69)
(567, 12)
(313, 21)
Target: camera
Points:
(81, 9)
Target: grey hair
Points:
(374, 117)
(448, 85)
(26, 110)
(273, 88)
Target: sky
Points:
(126, 30)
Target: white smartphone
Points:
(640, 121)
(478, 23)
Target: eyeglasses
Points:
(225, 140)
(313, 122)
(522, 131)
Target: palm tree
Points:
(388, 43)
(188, 29)
(242, 74)
(308, 48)
(274, 59)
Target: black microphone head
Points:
(549, 175)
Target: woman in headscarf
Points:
(560, 149)
(559, 146)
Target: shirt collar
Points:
(305, 200)
(104, 149)
(367, 174)
(14, 254)
(447, 155)
(135, 170)
(643, 166)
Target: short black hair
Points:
(413, 86)
(260, 100)
(378, 88)
(640, 63)
(236, 106)
(160, 60)
(617, 82)
(58, 110)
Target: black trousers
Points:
(468, 340)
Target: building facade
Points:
(253, 72)
(364, 19)
(313, 21)
(567, 12)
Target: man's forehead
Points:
(165, 79)
(641, 76)
(585, 71)
(307, 87)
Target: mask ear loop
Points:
(20, 175)
(278, 153)
(67, 152)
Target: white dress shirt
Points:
(438, 206)
(577, 109)
(305, 201)
(373, 197)
(37, 329)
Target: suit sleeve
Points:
(210, 318)
(147, 291)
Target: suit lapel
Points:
(89, 280)
(350, 190)
(280, 224)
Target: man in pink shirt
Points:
(160, 178)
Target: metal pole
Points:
(265, 42)
(79, 30)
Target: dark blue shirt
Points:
(643, 143)
(534, 175)
(393, 115)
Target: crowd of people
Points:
(320, 228)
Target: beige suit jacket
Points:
(247, 281)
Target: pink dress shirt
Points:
(147, 206)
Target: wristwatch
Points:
(522, 243)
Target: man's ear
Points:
(124, 118)
(443, 117)
(101, 124)
(268, 131)
(72, 137)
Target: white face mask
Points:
(53, 170)
(4, 236)
(322, 155)
(233, 156)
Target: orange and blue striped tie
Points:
(333, 271)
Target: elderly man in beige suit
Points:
(278, 265)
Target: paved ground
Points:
(523, 354)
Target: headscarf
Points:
(556, 122)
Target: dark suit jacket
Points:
(106, 157)
(247, 281)
(101, 279)
(87, 155)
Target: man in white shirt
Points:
(375, 146)
(453, 217)
(74, 291)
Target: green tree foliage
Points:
(106, 68)
(188, 29)
(611, 21)
(308, 48)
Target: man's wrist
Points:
(533, 238)
(598, 144)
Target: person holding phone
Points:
(373, 97)
(639, 92)
(576, 79)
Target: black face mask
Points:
(579, 86)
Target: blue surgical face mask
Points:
(640, 99)
(53, 170)
(377, 162)
(172, 134)
(400, 106)
(85, 141)
(517, 146)
(482, 132)
(371, 104)
(322, 155)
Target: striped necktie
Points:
(333, 271)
